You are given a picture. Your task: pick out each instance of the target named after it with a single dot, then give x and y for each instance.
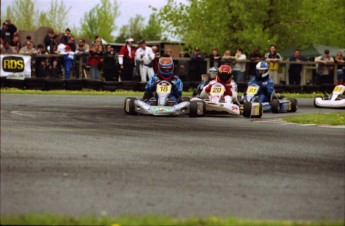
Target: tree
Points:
(153, 30)
(134, 29)
(100, 20)
(246, 23)
(23, 14)
(56, 17)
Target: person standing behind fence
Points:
(110, 68)
(215, 58)
(339, 60)
(296, 69)
(323, 68)
(126, 60)
(239, 67)
(95, 61)
(145, 56)
(28, 49)
(273, 58)
(255, 57)
(49, 41)
(55, 70)
(156, 60)
(196, 67)
(68, 61)
(227, 58)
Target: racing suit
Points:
(176, 91)
(230, 93)
(266, 88)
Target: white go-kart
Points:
(159, 105)
(336, 100)
(214, 102)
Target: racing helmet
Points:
(212, 73)
(261, 70)
(165, 68)
(224, 73)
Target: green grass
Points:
(337, 118)
(122, 93)
(154, 220)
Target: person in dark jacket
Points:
(295, 69)
(110, 68)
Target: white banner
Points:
(15, 66)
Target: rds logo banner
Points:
(15, 66)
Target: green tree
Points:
(23, 14)
(134, 29)
(56, 16)
(100, 20)
(153, 30)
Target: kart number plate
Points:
(252, 90)
(339, 89)
(217, 90)
(166, 89)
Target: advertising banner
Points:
(15, 66)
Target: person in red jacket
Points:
(126, 60)
(224, 77)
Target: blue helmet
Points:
(165, 68)
(261, 70)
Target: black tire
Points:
(294, 105)
(194, 108)
(315, 101)
(247, 109)
(275, 106)
(260, 114)
(129, 106)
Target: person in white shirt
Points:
(145, 56)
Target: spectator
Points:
(11, 28)
(41, 50)
(110, 64)
(239, 67)
(5, 33)
(215, 58)
(323, 67)
(227, 58)
(41, 68)
(95, 61)
(66, 36)
(28, 49)
(49, 41)
(295, 69)
(145, 56)
(80, 56)
(255, 57)
(126, 60)
(55, 70)
(168, 53)
(82, 47)
(7, 49)
(339, 60)
(197, 65)
(273, 58)
(38, 60)
(29, 38)
(68, 61)
(15, 41)
(156, 60)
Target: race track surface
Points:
(81, 155)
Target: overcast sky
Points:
(128, 8)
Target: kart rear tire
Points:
(194, 108)
(275, 106)
(316, 106)
(247, 109)
(294, 104)
(260, 114)
(129, 106)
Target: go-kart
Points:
(336, 100)
(158, 105)
(214, 102)
(277, 103)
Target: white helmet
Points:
(261, 70)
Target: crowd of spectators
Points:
(59, 56)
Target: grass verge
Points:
(154, 220)
(335, 118)
(122, 93)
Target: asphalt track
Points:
(81, 155)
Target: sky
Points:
(127, 8)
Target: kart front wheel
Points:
(294, 105)
(275, 106)
(129, 106)
(197, 108)
(247, 109)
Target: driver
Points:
(263, 81)
(166, 73)
(212, 74)
(224, 77)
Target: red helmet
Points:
(224, 73)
